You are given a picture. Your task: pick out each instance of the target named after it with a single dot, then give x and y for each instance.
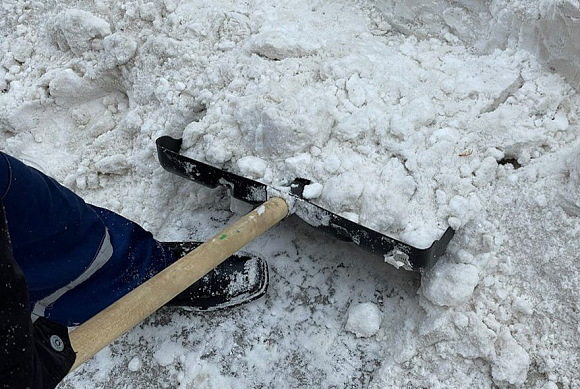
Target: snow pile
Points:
(548, 29)
(368, 126)
(408, 117)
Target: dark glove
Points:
(31, 356)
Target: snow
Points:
(167, 352)
(283, 41)
(513, 362)
(312, 191)
(407, 117)
(77, 30)
(134, 364)
(252, 167)
(450, 284)
(364, 320)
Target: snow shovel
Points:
(395, 252)
(109, 324)
(103, 328)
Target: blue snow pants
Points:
(77, 258)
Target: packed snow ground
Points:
(408, 117)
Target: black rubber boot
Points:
(237, 280)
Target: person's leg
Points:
(136, 257)
(26, 359)
(77, 258)
(54, 234)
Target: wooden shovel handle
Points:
(103, 328)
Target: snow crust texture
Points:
(407, 116)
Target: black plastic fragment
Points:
(394, 252)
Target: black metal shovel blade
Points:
(395, 252)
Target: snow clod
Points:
(512, 363)
(74, 30)
(280, 44)
(364, 320)
(312, 191)
(449, 284)
(134, 364)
